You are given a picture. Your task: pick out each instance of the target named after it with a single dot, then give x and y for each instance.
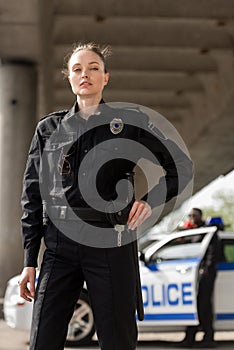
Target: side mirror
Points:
(141, 256)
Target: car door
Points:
(224, 284)
(169, 277)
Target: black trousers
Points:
(204, 307)
(111, 281)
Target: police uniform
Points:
(55, 172)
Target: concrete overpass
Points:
(174, 56)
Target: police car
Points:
(169, 272)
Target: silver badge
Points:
(116, 125)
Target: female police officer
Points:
(81, 242)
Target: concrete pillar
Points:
(18, 86)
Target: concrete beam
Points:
(138, 31)
(20, 12)
(25, 39)
(19, 29)
(212, 144)
(214, 152)
(154, 80)
(147, 98)
(208, 107)
(162, 8)
(150, 58)
(145, 80)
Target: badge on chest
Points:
(116, 125)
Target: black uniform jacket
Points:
(80, 162)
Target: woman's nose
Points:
(84, 74)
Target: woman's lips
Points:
(85, 83)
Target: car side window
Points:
(228, 250)
(184, 247)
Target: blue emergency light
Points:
(215, 221)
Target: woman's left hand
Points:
(139, 213)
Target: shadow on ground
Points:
(159, 344)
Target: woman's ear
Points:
(106, 79)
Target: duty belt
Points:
(70, 213)
(117, 220)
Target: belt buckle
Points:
(63, 212)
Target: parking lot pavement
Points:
(153, 341)
(11, 339)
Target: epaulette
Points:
(57, 113)
(134, 109)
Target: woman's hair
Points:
(102, 51)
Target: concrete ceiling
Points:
(174, 56)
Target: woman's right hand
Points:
(28, 275)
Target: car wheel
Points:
(81, 327)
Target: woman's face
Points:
(87, 74)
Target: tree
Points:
(224, 207)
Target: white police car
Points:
(169, 270)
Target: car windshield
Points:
(178, 253)
(146, 243)
(179, 249)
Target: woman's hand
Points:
(139, 213)
(28, 275)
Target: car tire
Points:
(81, 327)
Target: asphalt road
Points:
(11, 339)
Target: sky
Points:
(202, 199)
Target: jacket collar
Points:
(75, 110)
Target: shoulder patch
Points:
(156, 131)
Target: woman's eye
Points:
(76, 70)
(94, 68)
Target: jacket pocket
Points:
(59, 156)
